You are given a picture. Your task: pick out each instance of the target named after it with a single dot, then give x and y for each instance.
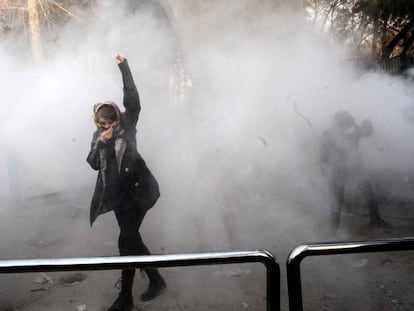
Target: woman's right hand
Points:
(106, 134)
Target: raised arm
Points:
(365, 129)
(131, 98)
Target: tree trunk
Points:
(408, 42)
(34, 26)
(374, 39)
(401, 35)
(385, 18)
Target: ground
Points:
(59, 228)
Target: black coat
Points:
(137, 184)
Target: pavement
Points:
(58, 227)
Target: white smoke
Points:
(239, 157)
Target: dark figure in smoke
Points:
(342, 165)
(125, 184)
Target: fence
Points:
(293, 262)
(120, 262)
(301, 251)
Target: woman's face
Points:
(106, 124)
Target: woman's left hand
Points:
(119, 58)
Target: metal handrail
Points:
(301, 251)
(172, 260)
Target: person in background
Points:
(124, 184)
(341, 163)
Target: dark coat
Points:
(137, 184)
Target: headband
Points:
(99, 105)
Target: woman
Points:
(124, 184)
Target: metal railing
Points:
(174, 260)
(301, 251)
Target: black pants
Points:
(130, 243)
(337, 186)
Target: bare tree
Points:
(33, 21)
(387, 27)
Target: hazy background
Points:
(237, 159)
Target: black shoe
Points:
(379, 222)
(122, 303)
(154, 290)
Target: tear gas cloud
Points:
(237, 160)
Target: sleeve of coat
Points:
(131, 98)
(93, 156)
(365, 129)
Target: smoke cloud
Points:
(237, 159)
